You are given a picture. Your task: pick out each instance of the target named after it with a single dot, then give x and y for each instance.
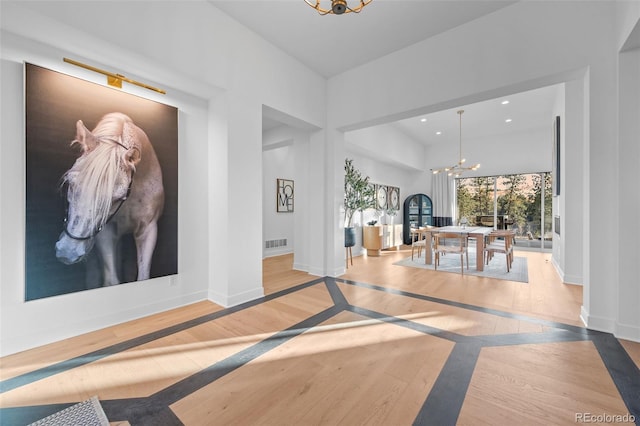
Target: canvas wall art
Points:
(284, 195)
(101, 185)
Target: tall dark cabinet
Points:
(418, 211)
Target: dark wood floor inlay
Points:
(441, 407)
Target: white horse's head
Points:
(98, 183)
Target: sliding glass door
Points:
(520, 201)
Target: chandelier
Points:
(338, 7)
(458, 168)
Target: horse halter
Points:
(97, 230)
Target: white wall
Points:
(399, 149)
(520, 47)
(208, 62)
(383, 174)
(25, 324)
(628, 320)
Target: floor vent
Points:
(275, 243)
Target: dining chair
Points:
(417, 242)
(452, 243)
(500, 241)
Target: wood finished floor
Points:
(382, 344)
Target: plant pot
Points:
(349, 237)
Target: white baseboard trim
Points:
(276, 252)
(606, 325)
(318, 272)
(557, 268)
(30, 341)
(566, 278)
(572, 279)
(584, 315)
(628, 332)
(236, 299)
(300, 267)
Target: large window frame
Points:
(516, 201)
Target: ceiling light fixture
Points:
(508, 120)
(458, 168)
(338, 7)
(423, 120)
(505, 102)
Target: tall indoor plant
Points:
(358, 196)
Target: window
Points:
(520, 201)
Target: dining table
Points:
(476, 232)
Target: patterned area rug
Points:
(497, 268)
(86, 413)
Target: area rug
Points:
(497, 267)
(86, 413)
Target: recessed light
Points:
(508, 120)
(423, 120)
(505, 102)
(438, 133)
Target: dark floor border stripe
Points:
(66, 365)
(155, 408)
(496, 312)
(144, 411)
(415, 326)
(624, 372)
(336, 295)
(442, 406)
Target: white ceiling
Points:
(528, 111)
(333, 44)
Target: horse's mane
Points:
(96, 171)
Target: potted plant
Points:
(358, 196)
(391, 212)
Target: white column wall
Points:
(526, 45)
(304, 193)
(318, 222)
(628, 324)
(628, 321)
(571, 203)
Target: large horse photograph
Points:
(101, 185)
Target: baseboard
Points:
(339, 270)
(318, 272)
(584, 315)
(88, 325)
(557, 268)
(572, 279)
(628, 332)
(566, 278)
(606, 325)
(236, 299)
(276, 252)
(300, 267)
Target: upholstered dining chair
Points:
(451, 243)
(500, 241)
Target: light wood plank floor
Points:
(383, 344)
